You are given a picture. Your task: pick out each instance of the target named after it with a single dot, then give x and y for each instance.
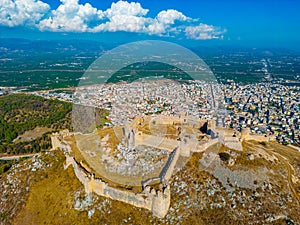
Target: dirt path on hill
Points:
(16, 157)
(290, 172)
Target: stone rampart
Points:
(152, 200)
(156, 201)
(168, 169)
(167, 144)
(150, 181)
(204, 146)
(55, 141)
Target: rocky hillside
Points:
(259, 185)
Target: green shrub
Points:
(262, 143)
(224, 156)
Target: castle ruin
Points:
(157, 201)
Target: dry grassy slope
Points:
(51, 201)
(198, 197)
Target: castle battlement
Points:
(157, 201)
(150, 198)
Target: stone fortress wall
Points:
(186, 145)
(168, 169)
(157, 201)
(149, 199)
(183, 147)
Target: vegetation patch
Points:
(21, 113)
(5, 165)
(224, 156)
(262, 143)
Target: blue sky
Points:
(246, 23)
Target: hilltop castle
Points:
(158, 201)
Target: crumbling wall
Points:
(150, 181)
(167, 144)
(161, 203)
(168, 169)
(156, 201)
(138, 200)
(55, 141)
(204, 146)
(69, 161)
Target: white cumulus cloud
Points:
(203, 32)
(71, 16)
(125, 8)
(124, 16)
(170, 16)
(131, 17)
(164, 22)
(21, 12)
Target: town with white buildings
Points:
(267, 109)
